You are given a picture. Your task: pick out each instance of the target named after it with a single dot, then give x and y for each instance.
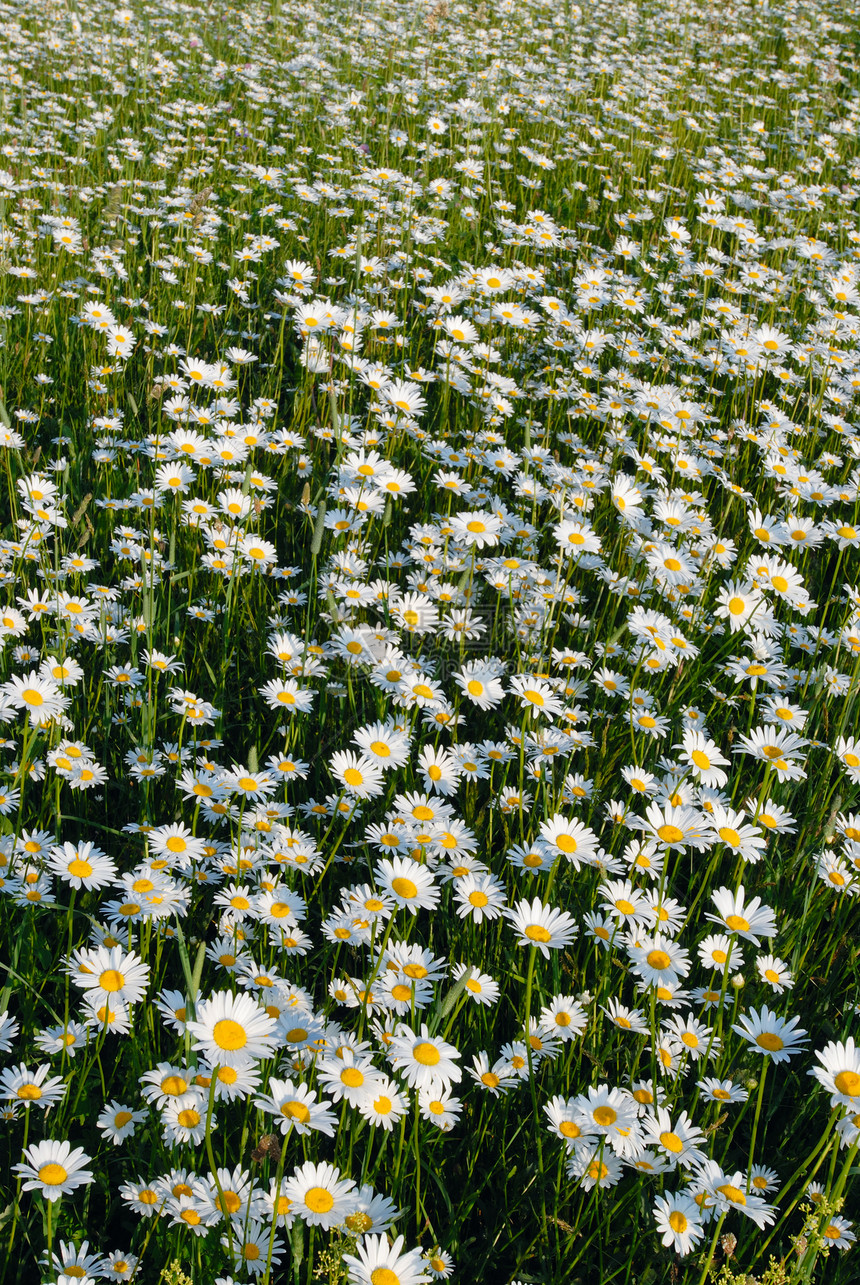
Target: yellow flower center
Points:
(426, 1053)
(848, 1083)
(111, 980)
(229, 1035)
(318, 1200)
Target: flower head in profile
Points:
(839, 1072)
(749, 919)
(730, 1192)
(773, 1036)
(542, 926)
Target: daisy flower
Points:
(482, 988)
(564, 1017)
(659, 960)
(118, 1266)
(607, 1111)
(117, 1122)
(54, 1169)
(31, 1088)
(296, 1107)
(480, 683)
(439, 1263)
(438, 1105)
(319, 1195)
(481, 896)
(716, 1090)
(113, 972)
(423, 1059)
(185, 1121)
(409, 884)
(360, 775)
(593, 1166)
(496, 1079)
(251, 1248)
(730, 1192)
(838, 1233)
(350, 1075)
(839, 1072)
(232, 1030)
(679, 1221)
(56, 1039)
(773, 1036)
(536, 695)
(8, 1031)
(749, 919)
(570, 839)
(775, 972)
(544, 927)
(82, 865)
(383, 1105)
(679, 1140)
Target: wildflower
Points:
(117, 1122)
(319, 1194)
(423, 1060)
(730, 1192)
(541, 926)
(775, 972)
(716, 1090)
(113, 972)
(379, 1262)
(773, 1036)
(383, 1105)
(31, 1087)
(749, 919)
(409, 884)
(297, 1108)
(82, 865)
(839, 1072)
(481, 896)
(679, 1221)
(838, 1233)
(679, 1140)
(360, 776)
(54, 1169)
(232, 1030)
(659, 960)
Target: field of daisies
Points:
(429, 642)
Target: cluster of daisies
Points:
(429, 624)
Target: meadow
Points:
(429, 642)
